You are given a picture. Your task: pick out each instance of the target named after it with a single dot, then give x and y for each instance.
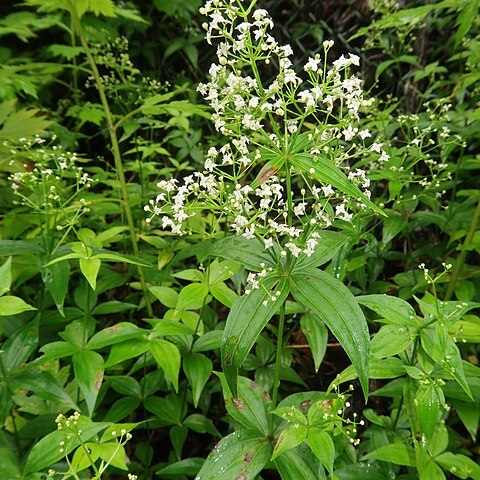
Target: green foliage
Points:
(281, 284)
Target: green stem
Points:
(463, 255)
(115, 148)
(278, 356)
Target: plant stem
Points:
(115, 148)
(463, 255)
(278, 356)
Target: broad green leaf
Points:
(327, 173)
(117, 333)
(396, 453)
(245, 322)
(465, 20)
(167, 296)
(9, 466)
(249, 253)
(5, 276)
(291, 415)
(223, 294)
(43, 384)
(88, 367)
(22, 123)
(429, 403)
(331, 301)
(17, 247)
(190, 274)
(171, 327)
(208, 341)
(292, 436)
(197, 368)
(56, 277)
(168, 358)
(189, 467)
(394, 309)
(322, 446)
(113, 306)
(461, 465)
(192, 297)
(18, 348)
(381, 67)
(90, 268)
(56, 350)
(391, 340)
(292, 465)
(328, 245)
(46, 451)
(10, 305)
(316, 334)
(241, 454)
(98, 7)
(127, 349)
(201, 424)
(164, 409)
(251, 405)
(469, 414)
(121, 409)
(110, 452)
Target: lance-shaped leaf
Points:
(89, 367)
(250, 253)
(326, 172)
(240, 455)
(333, 302)
(249, 315)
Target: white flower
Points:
(312, 64)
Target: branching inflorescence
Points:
(253, 180)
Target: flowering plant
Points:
(281, 177)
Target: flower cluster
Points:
(252, 181)
(48, 179)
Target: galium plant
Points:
(280, 179)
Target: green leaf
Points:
(10, 305)
(248, 252)
(429, 402)
(5, 276)
(292, 465)
(241, 454)
(98, 7)
(390, 340)
(17, 247)
(88, 368)
(46, 451)
(171, 327)
(331, 301)
(56, 350)
(208, 341)
(460, 465)
(127, 349)
(251, 405)
(167, 296)
(164, 409)
(90, 268)
(201, 424)
(246, 320)
(41, 383)
(113, 306)
(394, 309)
(322, 446)
(381, 67)
(326, 172)
(168, 358)
(117, 333)
(18, 348)
(22, 123)
(469, 414)
(328, 245)
(189, 466)
(292, 436)
(55, 277)
(316, 334)
(192, 297)
(223, 294)
(465, 20)
(396, 453)
(197, 368)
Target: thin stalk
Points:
(278, 356)
(115, 148)
(463, 255)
